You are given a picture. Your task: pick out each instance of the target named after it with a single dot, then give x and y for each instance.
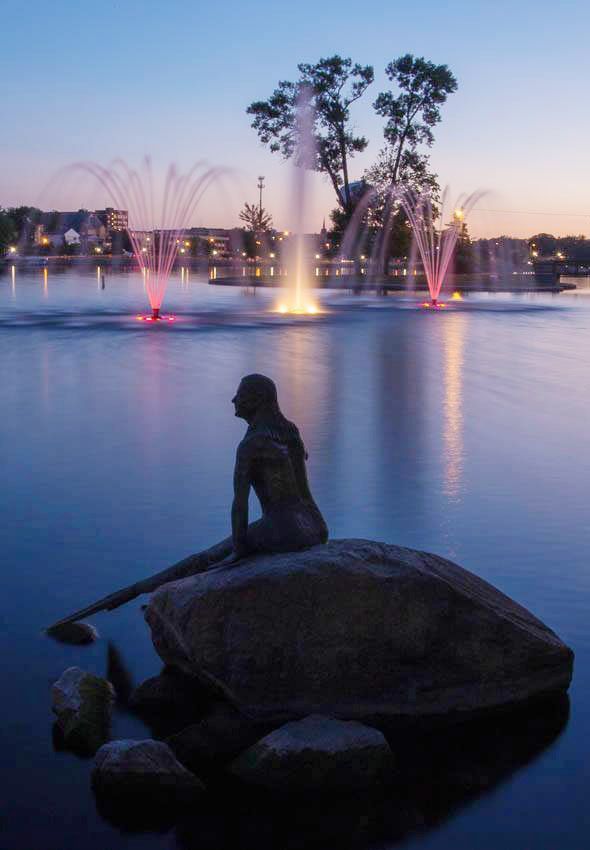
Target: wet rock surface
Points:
(83, 704)
(358, 630)
(316, 753)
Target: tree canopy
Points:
(412, 110)
(330, 86)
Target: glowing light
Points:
(285, 232)
(272, 256)
(12, 249)
(283, 308)
(45, 241)
(317, 256)
(459, 214)
(456, 296)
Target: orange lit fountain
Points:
(298, 300)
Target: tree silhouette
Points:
(256, 218)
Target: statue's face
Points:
(246, 402)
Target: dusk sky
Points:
(173, 79)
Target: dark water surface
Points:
(464, 433)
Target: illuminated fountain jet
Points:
(159, 213)
(434, 239)
(371, 225)
(299, 300)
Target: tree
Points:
(330, 86)
(411, 113)
(8, 231)
(256, 218)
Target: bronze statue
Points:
(271, 459)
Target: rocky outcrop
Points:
(143, 770)
(316, 753)
(356, 629)
(83, 704)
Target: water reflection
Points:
(45, 288)
(453, 344)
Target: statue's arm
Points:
(239, 510)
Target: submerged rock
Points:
(83, 704)
(74, 633)
(316, 753)
(143, 770)
(356, 629)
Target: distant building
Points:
(53, 227)
(117, 220)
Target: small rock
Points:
(74, 633)
(83, 704)
(143, 769)
(316, 753)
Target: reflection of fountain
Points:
(159, 213)
(453, 340)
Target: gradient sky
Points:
(173, 79)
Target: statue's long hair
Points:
(269, 415)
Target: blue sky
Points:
(173, 79)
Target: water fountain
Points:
(435, 238)
(298, 299)
(159, 213)
(435, 232)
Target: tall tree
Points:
(331, 86)
(411, 112)
(256, 218)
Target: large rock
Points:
(316, 753)
(356, 629)
(143, 770)
(83, 704)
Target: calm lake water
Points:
(464, 433)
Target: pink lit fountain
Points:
(434, 237)
(159, 213)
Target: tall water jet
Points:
(298, 299)
(159, 211)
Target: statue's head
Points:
(254, 393)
